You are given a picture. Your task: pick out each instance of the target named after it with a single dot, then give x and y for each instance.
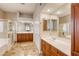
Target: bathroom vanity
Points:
(24, 31)
(55, 46)
(56, 36)
(24, 37)
(50, 50)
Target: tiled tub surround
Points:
(4, 45)
(23, 49)
(62, 44)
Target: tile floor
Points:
(23, 49)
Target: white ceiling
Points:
(18, 7)
(59, 9)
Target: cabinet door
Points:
(61, 53)
(43, 47)
(77, 28)
(75, 37)
(30, 37)
(48, 51)
(18, 37)
(24, 37)
(53, 51)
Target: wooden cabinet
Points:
(61, 53)
(75, 54)
(49, 50)
(23, 37)
(75, 29)
(48, 53)
(53, 51)
(18, 37)
(30, 36)
(43, 47)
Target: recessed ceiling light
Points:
(48, 10)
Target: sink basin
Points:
(53, 38)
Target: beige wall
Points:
(62, 20)
(2, 17)
(2, 14)
(7, 15)
(10, 16)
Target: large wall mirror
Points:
(65, 26)
(59, 27)
(51, 25)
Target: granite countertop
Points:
(26, 32)
(62, 44)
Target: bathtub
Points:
(4, 45)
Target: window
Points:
(27, 27)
